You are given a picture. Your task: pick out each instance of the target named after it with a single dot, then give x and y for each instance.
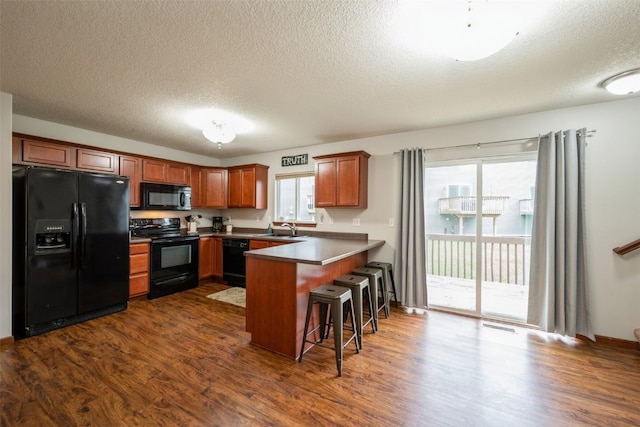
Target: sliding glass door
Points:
(479, 216)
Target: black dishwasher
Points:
(233, 264)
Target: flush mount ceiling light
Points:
(623, 83)
(478, 30)
(466, 30)
(219, 133)
(218, 126)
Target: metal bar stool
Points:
(377, 289)
(358, 285)
(331, 298)
(387, 274)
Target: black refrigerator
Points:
(70, 247)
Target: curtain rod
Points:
(505, 141)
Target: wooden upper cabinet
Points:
(45, 153)
(326, 183)
(131, 168)
(341, 180)
(235, 188)
(96, 161)
(248, 186)
(154, 170)
(61, 155)
(166, 172)
(178, 174)
(195, 182)
(214, 187)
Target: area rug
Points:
(235, 296)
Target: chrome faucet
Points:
(292, 226)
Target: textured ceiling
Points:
(302, 72)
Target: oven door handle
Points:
(176, 240)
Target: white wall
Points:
(613, 174)
(5, 214)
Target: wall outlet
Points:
(330, 220)
(356, 222)
(390, 222)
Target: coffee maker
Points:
(217, 224)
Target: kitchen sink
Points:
(279, 236)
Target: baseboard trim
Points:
(6, 343)
(617, 342)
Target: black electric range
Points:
(174, 254)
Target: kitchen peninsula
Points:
(279, 279)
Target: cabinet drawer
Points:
(139, 284)
(139, 248)
(138, 263)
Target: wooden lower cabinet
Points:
(210, 257)
(205, 265)
(261, 244)
(217, 257)
(258, 244)
(138, 269)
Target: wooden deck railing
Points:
(466, 205)
(629, 247)
(505, 258)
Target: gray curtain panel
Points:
(558, 291)
(411, 256)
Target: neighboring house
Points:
(450, 200)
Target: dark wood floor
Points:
(185, 360)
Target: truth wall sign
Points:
(298, 159)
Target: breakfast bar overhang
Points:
(279, 279)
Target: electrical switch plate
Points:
(390, 222)
(330, 220)
(356, 222)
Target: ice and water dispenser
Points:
(52, 236)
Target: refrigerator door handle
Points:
(74, 236)
(83, 234)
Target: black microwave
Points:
(165, 197)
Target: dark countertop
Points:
(303, 249)
(315, 250)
